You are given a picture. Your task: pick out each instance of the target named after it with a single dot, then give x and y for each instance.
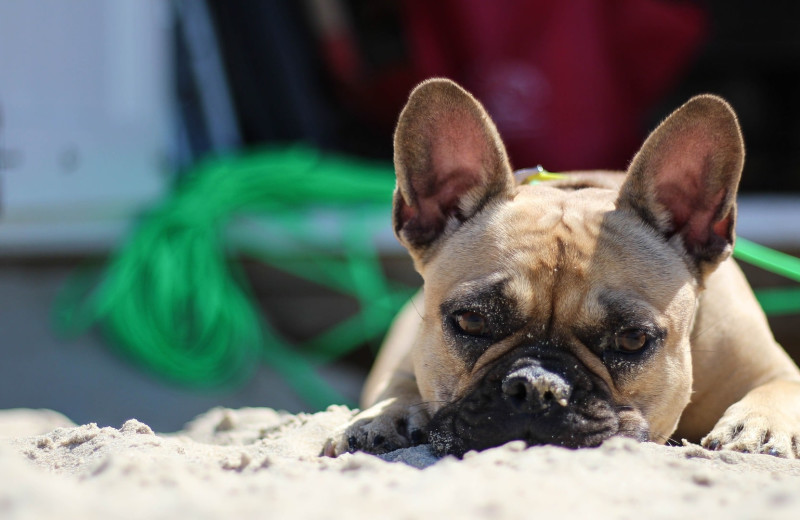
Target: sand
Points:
(259, 463)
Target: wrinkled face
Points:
(553, 317)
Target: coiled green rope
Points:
(171, 300)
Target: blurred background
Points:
(108, 109)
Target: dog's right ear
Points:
(683, 181)
(450, 162)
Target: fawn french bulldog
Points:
(570, 311)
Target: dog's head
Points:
(558, 313)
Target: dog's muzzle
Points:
(539, 398)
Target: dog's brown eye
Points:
(630, 340)
(472, 323)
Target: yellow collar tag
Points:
(537, 175)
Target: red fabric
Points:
(568, 83)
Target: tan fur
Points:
(563, 246)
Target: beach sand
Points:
(259, 463)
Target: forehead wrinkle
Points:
(549, 242)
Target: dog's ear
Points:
(450, 162)
(683, 181)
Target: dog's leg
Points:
(397, 420)
(746, 388)
(394, 416)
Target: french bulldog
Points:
(570, 311)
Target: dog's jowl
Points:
(566, 312)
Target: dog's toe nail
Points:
(378, 440)
(714, 445)
(775, 452)
(329, 450)
(352, 443)
(417, 437)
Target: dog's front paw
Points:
(750, 430)
(386, 426)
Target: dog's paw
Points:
(749, 430)
(385, 427)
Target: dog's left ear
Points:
(450, 162)
(683, 181)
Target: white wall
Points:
(86, 131)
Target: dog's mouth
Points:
(536, 401)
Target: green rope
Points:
(170, 300)
(768, 259)
(774, 301)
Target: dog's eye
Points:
(472, 323)
(630, 340)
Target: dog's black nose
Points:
(532, 388)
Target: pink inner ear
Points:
(440, 203)
(458, 162)
(449, 160)
(458, 145)
(682, 186)
(700, 227)
(459, 149)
